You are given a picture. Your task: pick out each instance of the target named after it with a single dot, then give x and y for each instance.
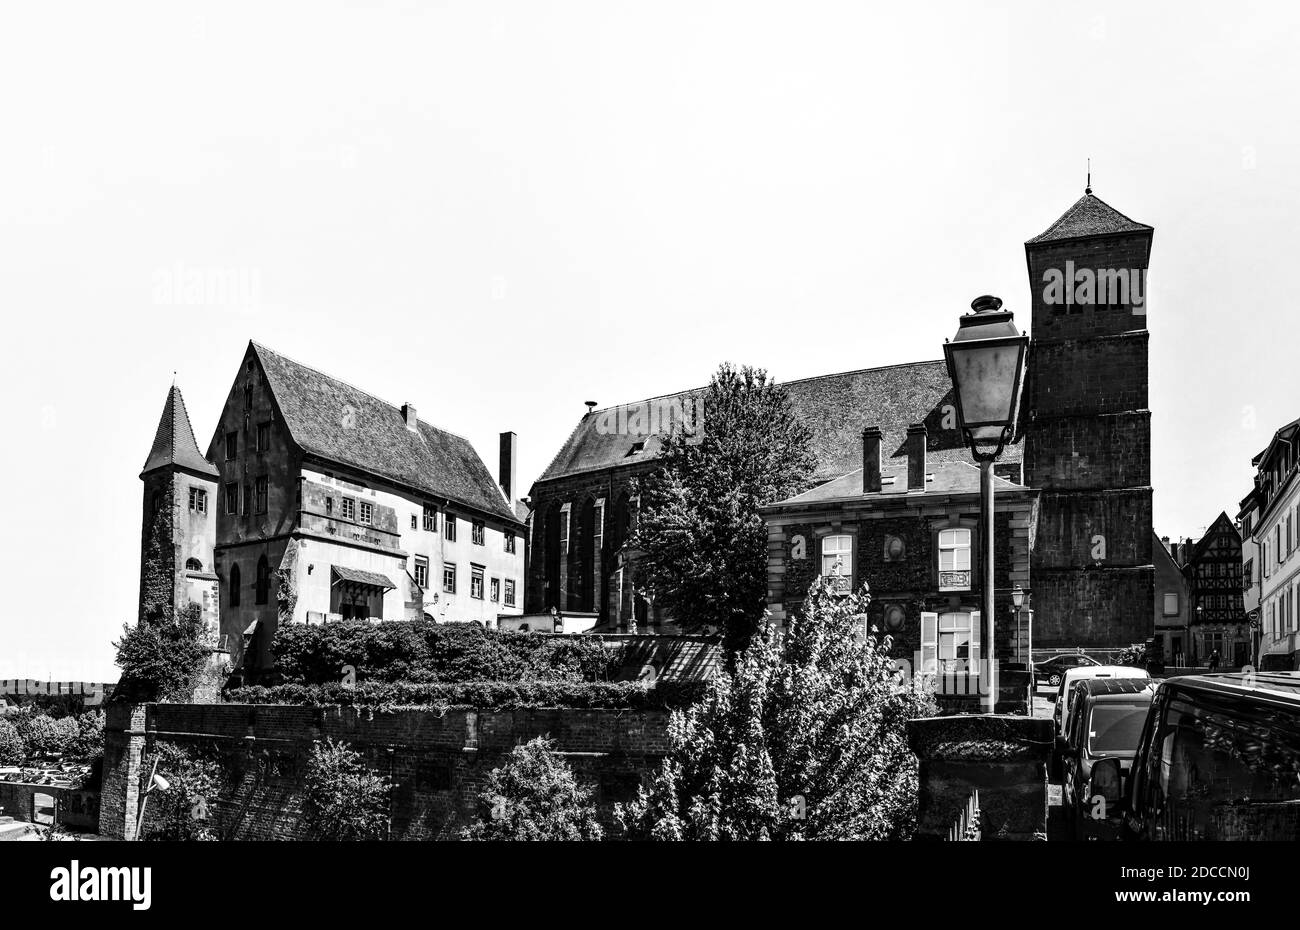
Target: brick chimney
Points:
(871, 437)
(916, 434)
(509, 454)
(408, 414)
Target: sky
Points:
(498, 211)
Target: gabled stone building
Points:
(319, 501)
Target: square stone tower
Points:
(1088, 429)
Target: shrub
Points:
(66, 732)
(12, 750)
(423, 651)
(184, 809)
(345, 800)
(534, 796)
(161, 659)
(484, 695)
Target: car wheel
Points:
(1054, 679)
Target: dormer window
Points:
(637, 447)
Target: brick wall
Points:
(438, 762)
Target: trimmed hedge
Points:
(482, 695)
(421, 651)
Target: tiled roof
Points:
(942, 478)
(173, 443)
(339, 423)
(1090, 216)
(360, 576)
(837, 407)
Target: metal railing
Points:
(966, 828)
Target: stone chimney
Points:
(916, 434)
(509, 455)
(871, 437)
(408, 414)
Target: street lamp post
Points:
(986, 362)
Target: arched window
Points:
(233, 590)
(193, 565)
(263, 580)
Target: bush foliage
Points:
(184, 809)
(484, 695)
(805, 740)
(161, 659)
(344, 799)
(425, 652)
(534, 796)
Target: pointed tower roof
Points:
(1090, 216)
(173, 444)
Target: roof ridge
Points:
(858, 371)
(349, 384)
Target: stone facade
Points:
(1088, 437)
(437, 760)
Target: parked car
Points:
(1219, 759)
(1051, 671)
(1064, 697)
(1105, 722)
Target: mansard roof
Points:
(1090, 216)
(174, 444)
(336, 422)
(941, 478)
(837, 407)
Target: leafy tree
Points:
(805, 739)
(534, 796)
(161, 659)
(89, 741)
(705, 542)
(345, 799)
(65, 733)
(40, 736)
(12, 751)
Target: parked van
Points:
(1219, 759)
(1065, 695)
(1106, 720)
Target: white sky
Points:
(500, 210)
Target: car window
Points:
(1228, 770)
(1116, 726)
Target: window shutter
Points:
(975, 641)
(929, 644)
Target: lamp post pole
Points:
(986, 620)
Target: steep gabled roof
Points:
(1090, 216)
(837, 407)
(1222, 524)
(173, 443)
(337, 422)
